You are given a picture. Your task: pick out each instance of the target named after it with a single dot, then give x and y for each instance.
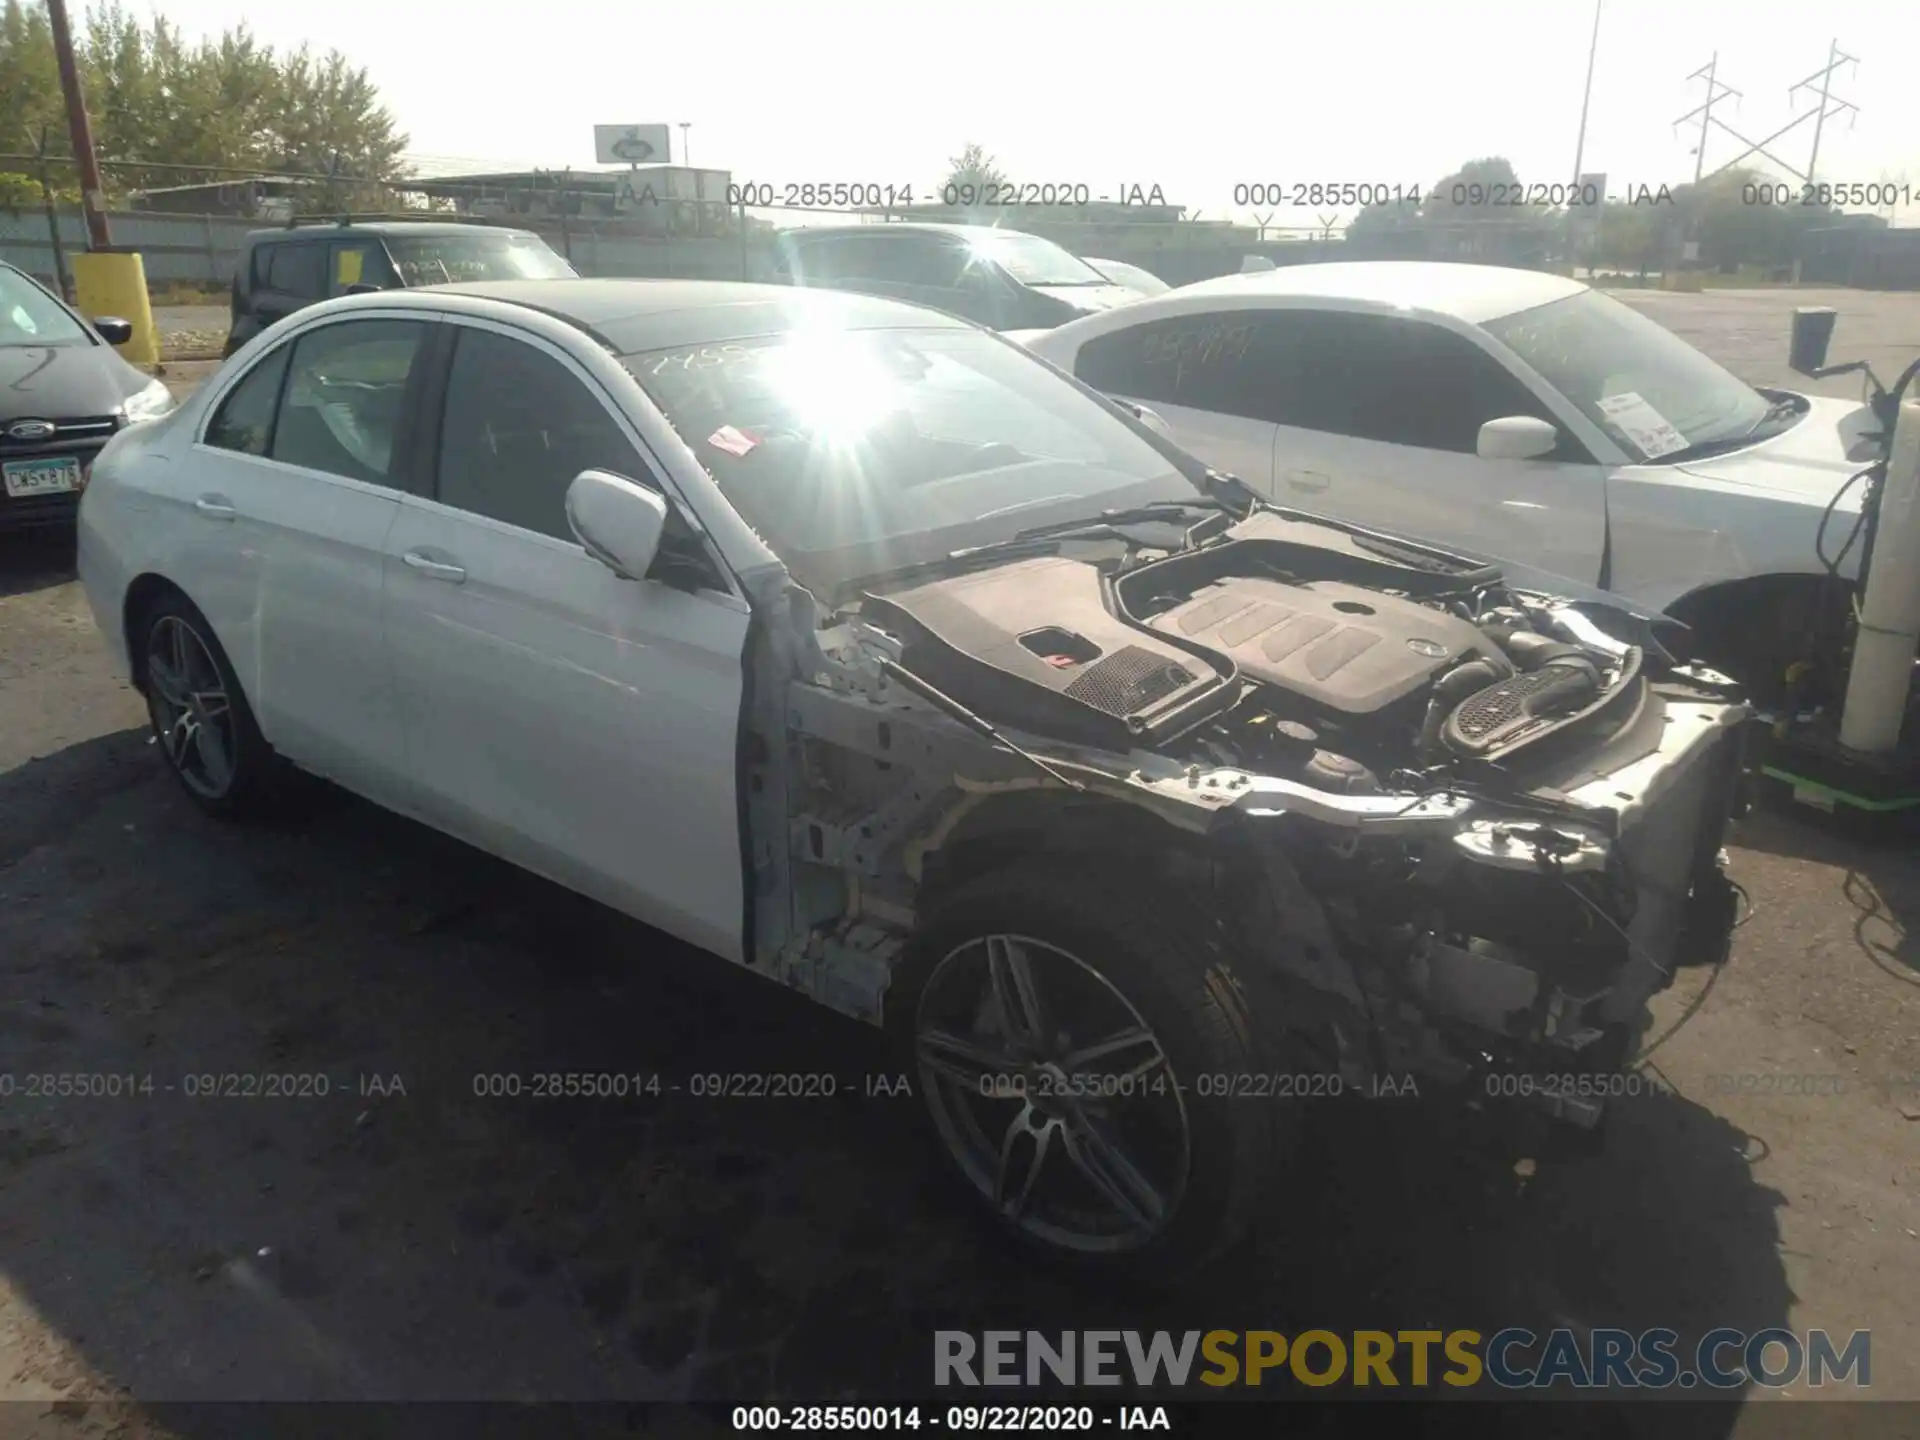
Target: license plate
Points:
(53, 476)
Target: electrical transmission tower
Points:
(1830, 107)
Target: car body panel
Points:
(576, 723)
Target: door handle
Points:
(1307, 479)
(215, 507)
(433, 569)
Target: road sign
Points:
(631, 144)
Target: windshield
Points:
(446, 259)
(30, 316)
(857, 451)
(1033, 261)
(1645, 386)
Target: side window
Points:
(345, 398)
(518, 427)
(359, 262)
(1200, 361)
(296, 270)
(1399, 382)
(923, 260)
(244, 421)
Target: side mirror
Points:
(1516, 437)
(361, 287)
(1812, 333)
(113, 330)
(620, 523)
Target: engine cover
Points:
(1348, 649)
(1033, 645)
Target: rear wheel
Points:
(1068, 1041)
(200, 717)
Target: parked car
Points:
(1003, 279)
(284, 270)
(1144, 282)
(844, 639)
(64, 392)
(1513, 413)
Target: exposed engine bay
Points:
(1457, 828)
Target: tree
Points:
(169, 112)
(973, 169)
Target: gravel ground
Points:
(401, 1237)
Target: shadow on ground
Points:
(37, 559)
(373, 1224)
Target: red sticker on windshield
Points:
(734, 442)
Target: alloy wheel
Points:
(1053, 1094)
(192, 712)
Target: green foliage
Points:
(159, 102)
(1467, 214)
(973, 167)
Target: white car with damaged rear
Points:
(849, 642)
(1515, 414)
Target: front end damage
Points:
(1448, 829)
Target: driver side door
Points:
(581, 725)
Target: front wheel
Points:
(1072, 1043)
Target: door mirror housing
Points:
(361, 287)
(1516, 437)
(618, 522)
(1812, 333)
(113, 330)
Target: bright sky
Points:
(1195, 97)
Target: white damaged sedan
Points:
(851, 643)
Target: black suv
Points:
(288, 269)
(1002, 279)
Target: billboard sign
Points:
(631, 144)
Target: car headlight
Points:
(149, 404)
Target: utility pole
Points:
(685, 150)
(1716, 92)
(1580, 140)
(1835, 59)
(93, 200)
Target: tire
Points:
(208, 713)
(1153, 955)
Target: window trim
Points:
(429, 431)
(415, 378)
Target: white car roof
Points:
(1474, 294)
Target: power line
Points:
(1829, 107)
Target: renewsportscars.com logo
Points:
(1512, 1359)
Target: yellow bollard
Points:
(114, 283)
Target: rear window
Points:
(452, 259)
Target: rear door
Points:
(1198, 373)
(295, 482)
(579, 724)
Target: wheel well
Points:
(1765, 623)
(142, 595)
(1031, 825)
